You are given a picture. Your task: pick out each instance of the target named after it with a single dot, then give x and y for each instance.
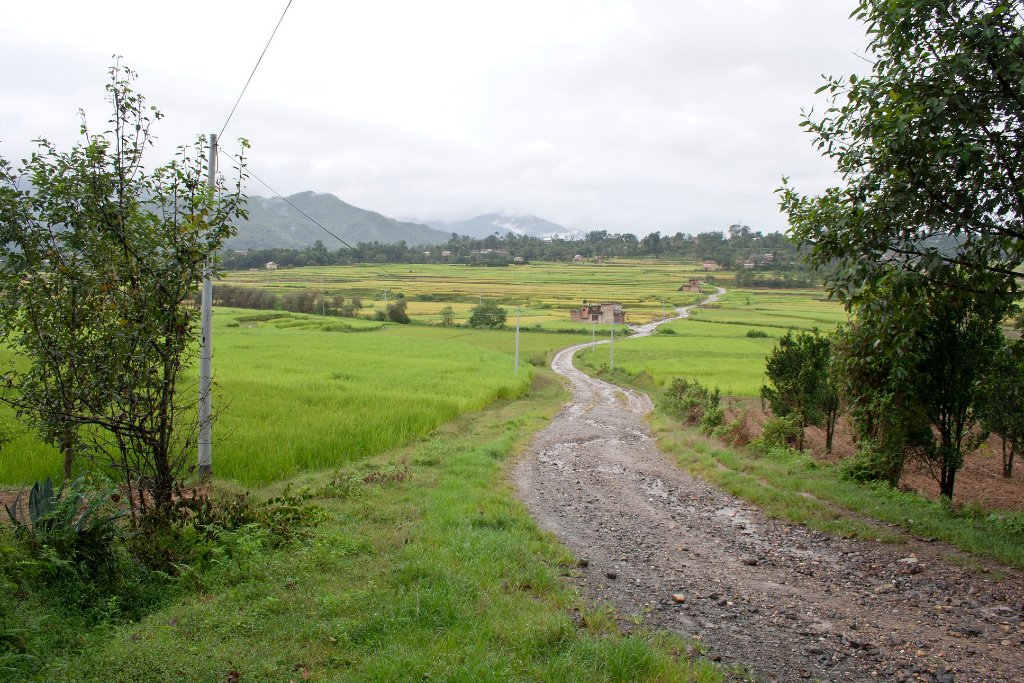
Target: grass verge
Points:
(425, 567)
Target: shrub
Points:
(757, 334)
(781, 431)
(693, 403)
(488, 314)
(873, 464)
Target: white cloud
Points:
(646, 115)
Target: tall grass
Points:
(293, 395)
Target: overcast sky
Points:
(621, 115)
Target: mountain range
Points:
(274, 223)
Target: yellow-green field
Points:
(545, 292)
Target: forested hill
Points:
(273, 224)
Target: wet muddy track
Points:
(786, 602)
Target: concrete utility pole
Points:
(611, 347)
(517, 342)
(206, 347)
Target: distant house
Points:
(598, 313)
(578, 258)
(749, 265)
(692, 286)
(446, 254)
(270, 265)
(711, 264)
(518, 259)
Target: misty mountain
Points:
(274, 224)
(489, 223)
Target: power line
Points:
(319, 224)
(246, 86)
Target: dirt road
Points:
(785, 602)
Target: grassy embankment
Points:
(712, 347)
(424, 568)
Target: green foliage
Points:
(72, 528)
(397, 312)
(757, 334)
(872, 464)
(800, 384)
(1001, 401)
(97, 257)
(913, 365)
(781, 431)
(926, 145)
(74, 568)
(447, 316)
(694, 403)
(488, 314)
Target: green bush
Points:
(873, 464)
(694, 403)
(780, 431)
(757, 334)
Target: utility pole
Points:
(517, 342)
(323, 299)
(593, 332)
(611, 347)
(206, 347)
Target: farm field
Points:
(302, 392)
(712, 345)
(546, 292)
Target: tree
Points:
(800, 385)
(447, 316)
(397, 312)
(1002, 402)
(914, 364)
(929, 148)
(100, 257)
(488, 314)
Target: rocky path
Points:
(783, 601)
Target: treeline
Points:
(299, 301)
(772, 251)
(956, 381)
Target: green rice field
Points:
(300, 392)
(712, 346)
(297, 392)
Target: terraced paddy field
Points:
(545, 292)
(712, 345)
(299, 393)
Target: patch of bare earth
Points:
(790, 603)
(979, 483)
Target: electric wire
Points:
(253, 73)
(318, 224)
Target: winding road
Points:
(775, 599)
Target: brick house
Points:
(599, 313)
